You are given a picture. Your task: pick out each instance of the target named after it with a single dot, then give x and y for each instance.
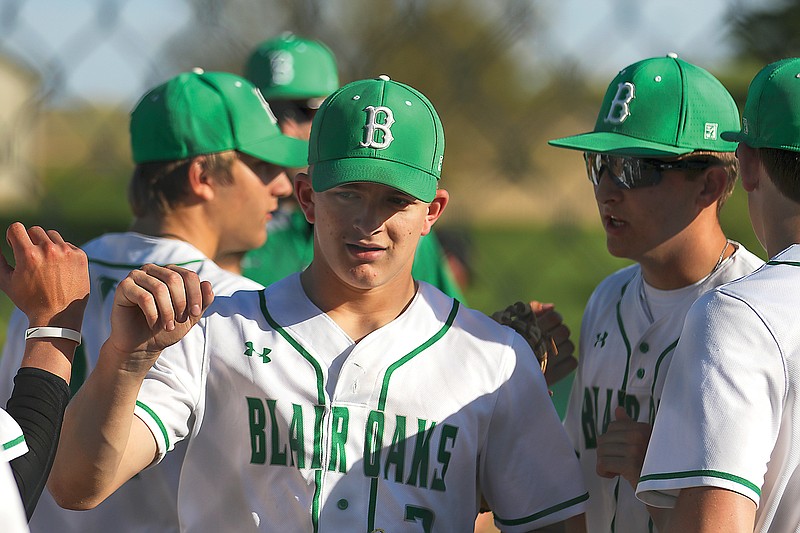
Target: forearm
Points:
(98, 450)
(37, 404)
(709, 509)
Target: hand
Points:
(154, 307)
(561, 360)
(621, 449)
(50, 279)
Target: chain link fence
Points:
(505, 75)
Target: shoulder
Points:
(745, 260)
(436, 307)
(223, 282)
(611, 289)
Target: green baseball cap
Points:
(771, 117)
(292, 68)
(660, 107)
(378, 131)
(199, 112)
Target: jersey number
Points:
(414, 513)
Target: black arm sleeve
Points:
(37, 404)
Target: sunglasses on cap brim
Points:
(634, 172)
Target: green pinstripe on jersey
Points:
(661, 357)
(319, 409)
(705, 473)
(157, 420)
(297, 346)
(124, 266)
(315, 508)
(790, 263)
(629, 354)
(624, 386)
(543, 513)
(373, 490)
(403, 360)
(14, 442)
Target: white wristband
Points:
(56, 333)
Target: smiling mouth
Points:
(614, 222)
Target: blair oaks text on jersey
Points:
(382, 455)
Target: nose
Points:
(607, 189)
(281, 185)
(367, 218)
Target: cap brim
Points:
(617, 144)
(413, 181)
(279, 150)
(733, 136)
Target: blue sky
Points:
(602, 35)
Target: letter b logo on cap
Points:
(619, 109)
(372, 127)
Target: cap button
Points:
(673, 55)
(198, 70)
(384, 77)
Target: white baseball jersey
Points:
(148, 501)
(294, 428)
(623, 361)
(730, 415)
(12, 445)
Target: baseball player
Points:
(50, 284)
(348, 397)
(660, 173)
(295, 75)
(210, 169)
(724, 447)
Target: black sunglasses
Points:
(634, 172)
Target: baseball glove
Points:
(520, 317)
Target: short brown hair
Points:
(783, 167)
(157, 187)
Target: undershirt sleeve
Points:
(37, 403)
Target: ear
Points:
(750, 167)
(435, 210)
(305, 195)
(714, 181)
(201, 182)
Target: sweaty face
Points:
(641, 222)
(367, 233)
(245, 205)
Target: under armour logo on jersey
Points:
(378, 135)
(620, 108)
(249, 351)
(601, 338)
(710, 131)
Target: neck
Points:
(686, 261)
(358, 311)
(777, 222)
(180, 226)
(784, 233)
